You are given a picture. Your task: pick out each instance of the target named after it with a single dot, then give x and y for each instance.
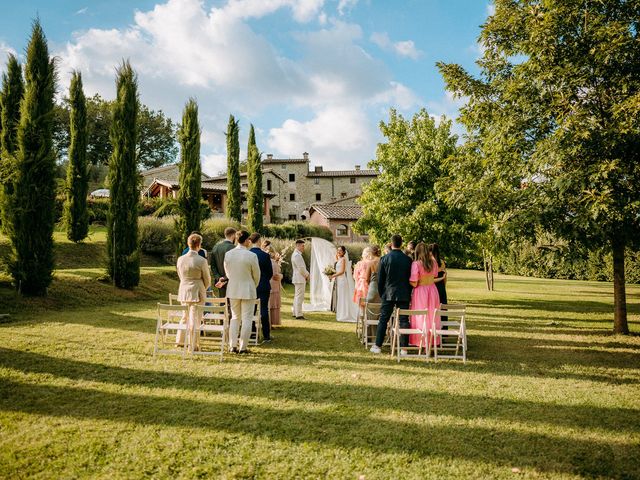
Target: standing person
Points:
(276, 285)
(201, 251)
(411, 249)
(346, 310)
(441, 279)
(395, 291)
(386, 249)
(360, 277)
(243, 272)
(299, 279)
(264, 286)
(193, 271)
(218, 253)
(371, 275)
(424, 270)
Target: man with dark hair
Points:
(299, 279)
(263, 289)
(394, 272)
(243, 272)
(218, 253)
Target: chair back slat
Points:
(173, 308)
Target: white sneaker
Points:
(404, 353)
(375, 349)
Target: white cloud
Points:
(82, 11)
(404, 48)
(491, 9)
(345, 6)
(302, 10)
(214, 164)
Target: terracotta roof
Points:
(207, 187)
(344, 173)
(338, 212)
(223, 178)
(284, 160)
(166, 172)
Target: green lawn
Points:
(547, 391)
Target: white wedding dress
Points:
(346, 309)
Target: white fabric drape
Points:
(323, 253)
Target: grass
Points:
(547, 391)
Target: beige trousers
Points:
(298, 298)
(241, 312)
(193, 323)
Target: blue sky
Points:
(311, 75)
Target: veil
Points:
(347, 297)
(323, 253)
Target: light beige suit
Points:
(195, 278)
(299, 280)
(243, 272)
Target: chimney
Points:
(357, 168)
(269, 156)
(318, 168)
(305, 155)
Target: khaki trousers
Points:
(298, 298)
(241, 312)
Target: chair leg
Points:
(155, 345)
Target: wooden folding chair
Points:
(169, 322)
(397, 331)
(455, 328)
(256, 329)
(214, 326)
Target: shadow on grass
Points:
(349, 416)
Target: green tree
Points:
(76, 214)
(190, 192)
(122, 223)
(32, 204)
(255, 199)
(405, 198)
(234, 196)
(10, 98)
(553, 125)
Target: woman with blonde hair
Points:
(371, 275)
(359, 277)
(275, 299)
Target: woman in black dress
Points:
(441, 279)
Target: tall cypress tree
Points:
(76, 214)
(10, 98)
(33, 202)
(190, 193)
(255, 201)
(234, 199)
(122, 225)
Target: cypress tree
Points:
(32, 205)
(234, 198)
(190, 193)
(254, 179)
(76, 214)
(10, 98)
(122, 225)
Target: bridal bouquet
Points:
(329, 270)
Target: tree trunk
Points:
(490, 273)
(486, 271)
(619, 295)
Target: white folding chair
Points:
(397, 331)
(360, 322)
(370, 322)
(169, 323)
(456, 329)
(214, 327)
(447, 307)
(256, 335)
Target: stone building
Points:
(339, 217)
(289, 185)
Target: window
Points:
(316, 181)
(293, 216)
(303, 217)
(343, 194)
(342, 230)
(292, 177)
(352, 180)
(283, 166)
(292, 197)
(269, 185)
(318, 197)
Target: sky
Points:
(314, 76)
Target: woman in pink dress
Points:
(360, 277)
(425, 294)
(276, 279)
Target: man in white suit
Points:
(195, 278)
(299, 279)
(243, 272)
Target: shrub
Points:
(157, 235)
(98, 209)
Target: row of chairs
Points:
(212, 332)
(447, 342)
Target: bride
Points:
(346, 310)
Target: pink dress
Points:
(359, 278)
(423, 297)
(274, 297)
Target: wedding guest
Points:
(371, 275)
(386, 249)
(441, 279)
(263, 289)
(411, 249)
(395, 291)
(424, 270)
(218, 253)
(276, 286)
(193, 271)
(299, 279)
(202, 252)
(360, 279)
(243, 272)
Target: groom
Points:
(395, 290)
(299, 279)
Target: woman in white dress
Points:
(346, 310)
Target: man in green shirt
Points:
(217, 259)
